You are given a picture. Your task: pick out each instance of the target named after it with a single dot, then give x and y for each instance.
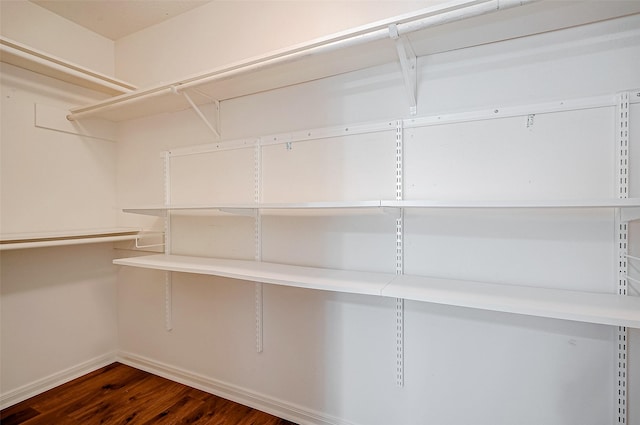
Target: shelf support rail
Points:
(409, 65)
(257, 173)
(199, 112)
(168, 285)
(399, 255)
(622, 234)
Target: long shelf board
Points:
(278, 274)
(12, 241)
(360, 48)
(249, 207)
(26, 57)
(523, 204)
(607, 309)
(273, 208)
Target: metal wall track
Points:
(622, 234)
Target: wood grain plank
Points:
(120, 394)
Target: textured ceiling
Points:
(115, 19)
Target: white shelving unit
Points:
(12, 241)
(608, 309)
(357, 49)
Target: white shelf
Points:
(607, 309)
(12, 241)
(26, 57)
(358, 48)
(630, 204)
(523, 204)
(248, 208)
(277, 274)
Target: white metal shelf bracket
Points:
(622, 234)
(409, 65)
(630, 214)
(213, 127)
(399, 256)
(139, 245)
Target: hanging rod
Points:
(408, 23)
(26, 57)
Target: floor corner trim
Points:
(58, 378)
(280, 408)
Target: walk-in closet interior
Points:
(337, 212)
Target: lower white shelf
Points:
(590, 307)
(607, 309)
(277, 274)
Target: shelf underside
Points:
(607, 309)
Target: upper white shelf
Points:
(607, 309)
(535, 204)
(630, 206)
(26, 57)
(360, 48)
(248, 208)
(11, 241)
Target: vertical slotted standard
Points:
(622, 141)
(168, 320)
(257, 176)
(399, 257)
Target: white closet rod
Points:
(406, 24)
(371, 34)
(12, 48)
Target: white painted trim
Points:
(283, 409)
(44, 384)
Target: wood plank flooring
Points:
(119, 394)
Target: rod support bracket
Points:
(211, 126)
(409, 66)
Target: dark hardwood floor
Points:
(119, 394)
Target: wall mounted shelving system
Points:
(400, 40)
(614, 309)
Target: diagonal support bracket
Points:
(212, 126)
(409, 65)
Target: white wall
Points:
(58, 316)
(222, 32)
(57, 304)
(333, 355)
(37, 27)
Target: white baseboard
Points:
(41, 385)
(280, 408)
